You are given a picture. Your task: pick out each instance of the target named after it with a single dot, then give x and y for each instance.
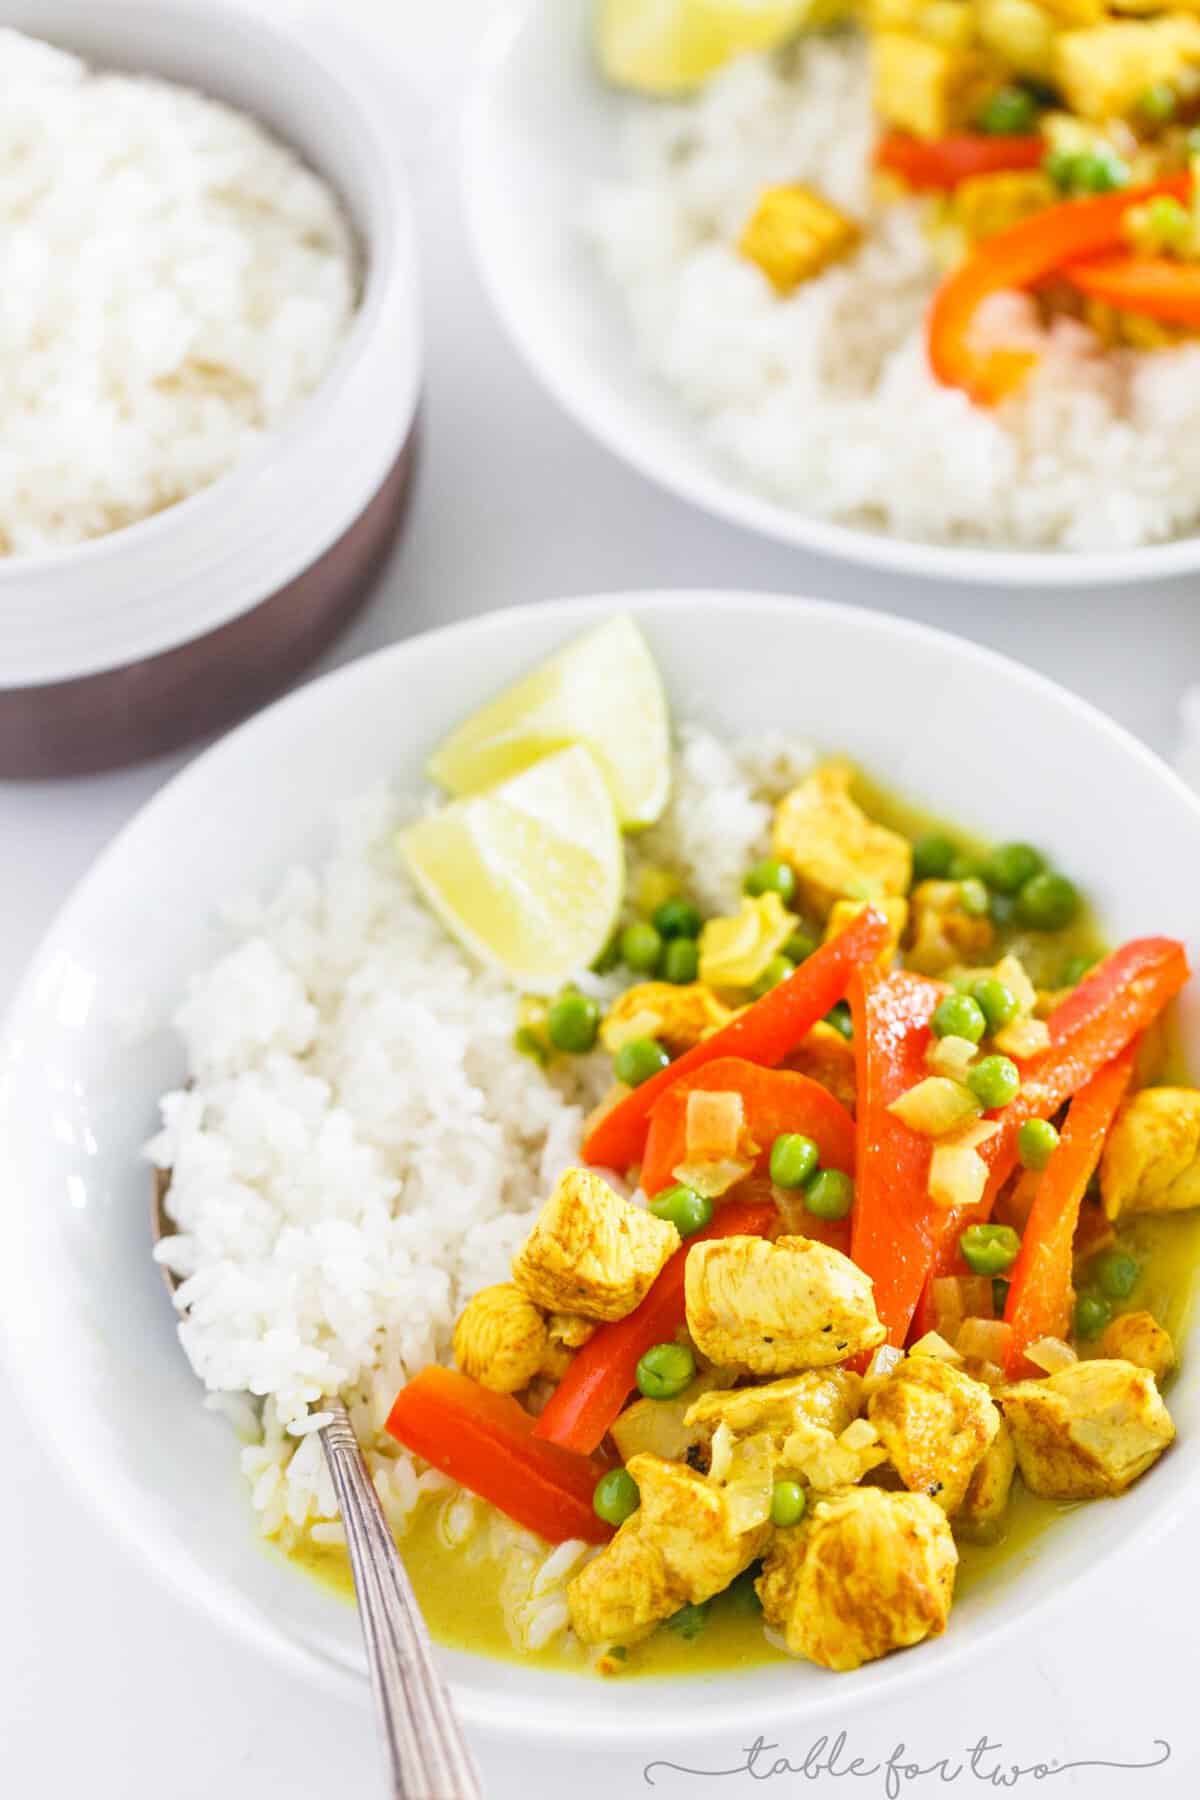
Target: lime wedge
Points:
(603, 691)
(669, 46)
(528, 876)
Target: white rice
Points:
(175, 281)
(825, 400)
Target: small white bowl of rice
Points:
(605, 225)
(209, 366)
(372, 1144)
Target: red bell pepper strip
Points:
(486, 1441)
(774, 1100)
(1020, 258)
(763, 1034)
(1112, 1005)
(603, 1373)
(1154, 287)
(1039, 1299)
(929, 167)
(895, 1228)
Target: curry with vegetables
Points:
(874, 1246)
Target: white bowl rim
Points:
(723, 495)
(564, 1720)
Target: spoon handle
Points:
(428, 1758)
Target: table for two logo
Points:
(832, 1759)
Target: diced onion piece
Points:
(933, 1344)
(935, 1106)
(1011, 971)
(643, 1024)
(1051, 1354)
(978, 1301)
(990, 1373)
(948, 1309)
(1023, 1038)
(858, 1435)
(957, 1176)
(712, 1179)
(951, 1056)
(714, 1126)
(986, 1339)
(881, 1366)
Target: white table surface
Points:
(107, 1686)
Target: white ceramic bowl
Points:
(135, 641)
(540, 127)
(90, 1329)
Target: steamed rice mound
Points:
(825, 401)
(175, 282)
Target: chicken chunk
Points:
(894, 907)
(794, 234)
(500, 1339)
(566, 1333)
(772, 1308)
(825, 1056)
(986, 204)
(829, 1398)
(1019, 33)
(834, 850)
(925, 88)
(1104, 69)
(678, 1016)
(592, 1252)
(1151, 1160)
(678, 1549)
(986, 1499)
(1138, 1338)
(1089, 1430)
(937, 1424)
(865, 1572)
(943, 932)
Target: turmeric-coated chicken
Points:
(829, 1398)
(1151, 1160)
(1104, 69)
(864, 1572)
(678, 1549)
(500, 1339)
(1138, 1338)
(1087, 1431)
(835, 851)
(937, 1425)
(678, 1016)
(772, 1308)
(943, 931)
(591, 1252)
(983, 1507)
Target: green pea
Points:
(794, 1159)
(1010, 112)
(966, 867)
(677, 919)
(616, 1497)
(1037, 1141)
(681, 961)
(1116, 1273)
(777, 970)
(641, 947)
(973, 897)
(609, 957)
(799, 947)
(770, 877)
(1157, 103)
(689, 1621)
(1009, 866)
(958, 1015)
(1092, 1314)
(840, 1018)
(933, 856)
(999, 1295)
(572, 1022)
(638, 1060)
(788, 1503)
(989, 1249)
(665, 1370)
(1047, 902)
(994, 1081)
(1098, 171)
(829, 1195)
(686, 1210)
(996, 1000)
(1074, 970)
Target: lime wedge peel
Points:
(602, 691)
(528, 876)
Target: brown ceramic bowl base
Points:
(125, 715)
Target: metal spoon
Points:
(426, 1752)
